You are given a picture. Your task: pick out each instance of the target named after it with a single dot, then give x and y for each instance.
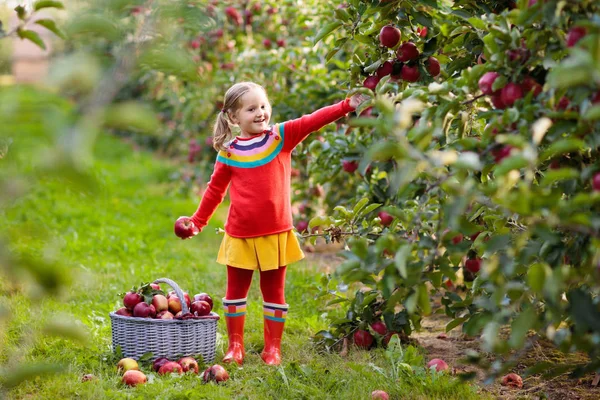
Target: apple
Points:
(422, 32)
(438, 363)
(170, 367)
(127, 364)
(215, 373)
(165, 315)
(563, 103)
(512, 380)
(131, 299)
(389, 36)
(188, 364)
(204, 297)
(407, 52)
(200, 308)
(267, 43)
(124, 311)
(486, 82)
(160, 302)
(174, 304)
(511, 93)
(379, 395)
(195, 44)
(596, 181)
(386, 219)
(186, 297)
(388, 337)
(349, 166)
(363, 339)
(519, 55)
(134, 378)
(458, 238)
(371, 82)
(379, 327)
(501, 153)
(155, 286)
(497, 100)
(473, 265)
(185, 228)
(302, 226)
(281, 42)
(433, 66)
(410, 73)
(234, 15)
(159, 362)
(88, 377)
(385, 69)
(531, 85)
(575, 34)
(144, 310)
(596, 98)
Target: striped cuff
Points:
(235, 308)
(275, 312)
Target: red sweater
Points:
(258, 169)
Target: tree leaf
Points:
(48, 4)
(32, 36)
(51, 26)
(326, 30)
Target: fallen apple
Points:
(134, 378)
(88, 377)
(438, 363)
(159, 362)
(170, 367)
(379, 327)
(215, 373)
(512, 380)
(188, 364)
(127, 364)
(379, 395)
(363, 339)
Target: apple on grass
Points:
(215, 373)
(188, 364)
(170, 367)
(185, 228)
(438, 363)
(134, 378)
(512, 380)
(127, 364)
(159, 362)
(379, 395)
(363, 339)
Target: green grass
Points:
(121, 235)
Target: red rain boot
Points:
(235, 317)
(274, 319)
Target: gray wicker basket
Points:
(165, 337)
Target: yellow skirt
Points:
(262, 252)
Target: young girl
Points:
(256, 165)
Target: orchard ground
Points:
(122, 234)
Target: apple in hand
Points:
(134, 378)
(185, 228)
(188, 364)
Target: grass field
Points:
(122, 235)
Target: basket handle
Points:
(178, 291)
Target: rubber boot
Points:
(235, 317)
(274, 319)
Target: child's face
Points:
(254, 113)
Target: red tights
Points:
(272, 284)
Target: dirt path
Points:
(453, 346)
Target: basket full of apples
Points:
(167, 326)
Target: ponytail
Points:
(221, 132)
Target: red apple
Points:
(407, 51)
(215, 373)
(185, 228)
(440, 365)
(159, 362)
(155, 286)
(486, 82)
(531, 85)
(596, 181)
(389, 36)
(267, 43)
(160, 302)
(188, 364)
(385, 69)
(497, 100)
(371, 82)
(388, 337)
(422, 32)
(302, 226)
(164, 315)
(410, 73)
(596, 98)
(200, 308)
(512, 380)
(433, 66)
(281, 42)
(234, 15)
(174, 304)
(475, 235)
(124, 311)
(131, 299)
(363, 339)
(195, 44)
(379, 395)
(563, 103)
(127, 364)
(350, 166)
(144, 310)
(386, 219)
(170, 367)
(134, 378)
(458, 238)
(575, 34)
(511, 93)
(473, 265)
(379, 327)
(501, 153)
(205, 297)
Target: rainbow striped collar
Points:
(254, 152)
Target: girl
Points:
(256, 166)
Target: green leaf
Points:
(555, 175)
(21, 12)
(424, 302)
(326, 30)
(51, 26)
(369, 208)
(536, 276)
(592, 114)
(520, 326)
(400, 260)
(509, 163)
(32, 36)
(48, 4)
(172, 61)
(454, 323)
(477, 23)
(359, 206)
(561, 147)
(27, 372)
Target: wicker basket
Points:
(168, 338)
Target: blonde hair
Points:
(231, 103)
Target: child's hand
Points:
(357, 98)
(185, 228)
